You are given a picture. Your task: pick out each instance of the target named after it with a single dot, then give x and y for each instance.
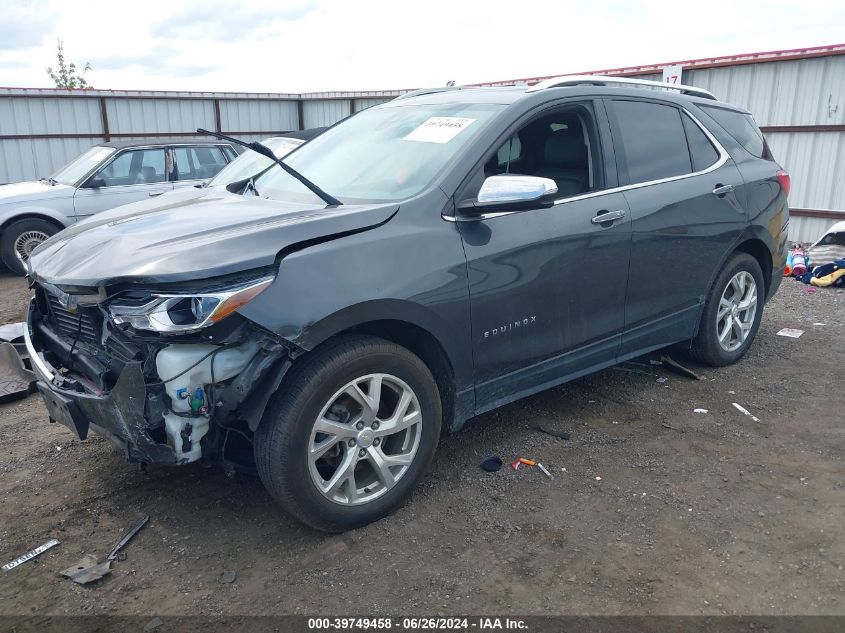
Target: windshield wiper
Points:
(50, 180)
(266, 151)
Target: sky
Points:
(294, 46)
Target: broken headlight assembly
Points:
(184, 313)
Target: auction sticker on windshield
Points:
(439, 129)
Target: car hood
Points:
(32, 191)
(186, 238)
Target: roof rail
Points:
(603, 80)
(428, 91)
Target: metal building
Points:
(797, 97)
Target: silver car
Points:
(106, 176)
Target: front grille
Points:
(68, 323)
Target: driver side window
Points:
(561, 145)
(134, 167)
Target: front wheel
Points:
(349, 434)
(732, 313)
(20, 238)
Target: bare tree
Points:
(66, 75)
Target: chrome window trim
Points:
(723, 158)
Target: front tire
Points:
(732, 313)
(349, 434)
(19, 240)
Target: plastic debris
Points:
(228, 577)
(491, 464)
(20, 560)
(564, 435)
(153, 624)
(790, 332)
(745, 411)
(662, 379)
(700, 411)
(598, 478)
(88, 569)
(679, 369)
(545, 472)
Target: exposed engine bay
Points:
(156, 372)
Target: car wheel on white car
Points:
(350, 432)
(20, 238)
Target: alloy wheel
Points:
(26, 243)
(365, 439)
(737, 309)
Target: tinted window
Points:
(559, 146)
(701, 150)
(197, 163)
(653, 140)
(742, 127)
(135, 167)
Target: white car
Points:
(106, 176)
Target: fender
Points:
(11, 212)
(749, 233)
(410, 270)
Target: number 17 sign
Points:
(672, 74)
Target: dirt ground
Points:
(653, 509)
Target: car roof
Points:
(142, 142)
(507, 95)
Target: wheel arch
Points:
(35, 214)
(417, 329)
(760, 245)
(760, 251)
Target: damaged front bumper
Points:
(118, 415)
(150, 420)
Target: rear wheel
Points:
(20, 239)
(732, 313)
(349, 434)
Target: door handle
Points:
(722, 190)
(153, 194)
(608, 216)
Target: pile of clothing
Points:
(827, 257)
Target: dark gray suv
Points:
(420, 263)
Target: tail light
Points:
(784, 180)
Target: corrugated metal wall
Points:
(42, 129)
(807, 92)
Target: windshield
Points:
(78, 167)
(381, 154)
(252, 163)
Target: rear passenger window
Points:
(701, 150)
(742, 127)
(196, 163)
(653, 140)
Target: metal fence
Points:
(42, 129)
(797, 97)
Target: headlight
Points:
(174, 313)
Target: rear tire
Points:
(732, 313)
(357, 469)
(20, 238)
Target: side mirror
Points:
(94, 183)
(511, 192)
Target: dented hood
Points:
(191, 237)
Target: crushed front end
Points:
(170, 376)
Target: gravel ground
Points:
(653, 508)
